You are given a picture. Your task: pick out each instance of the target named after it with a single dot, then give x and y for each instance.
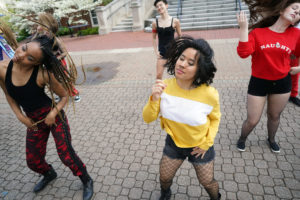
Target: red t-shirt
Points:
(270, 51)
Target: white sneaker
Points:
(77, 98)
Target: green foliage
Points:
(23, 34)
(63, 31)
(88, 31)
(105, 2)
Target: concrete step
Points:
(206, 11)
(121, 28)
(223, 26)
(207, 23)
(175, 2)
(202, 7)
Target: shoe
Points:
(48, 177)
(165, 194)
(77, 98)
(240, 145)
(219, 197)
(57, 99)
(274, 147)
(295, 101)
(88, 187)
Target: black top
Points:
(29, 96)
(165, 36)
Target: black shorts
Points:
(263, 87)
(174, 152)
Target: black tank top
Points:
(165, 36)
(29, 96)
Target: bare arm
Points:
(243, 23)
(154, 43)
(12, 103)
(60, 91)
(177, 27)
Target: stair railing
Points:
(238, 2)
(179, 9)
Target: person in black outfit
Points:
(163, 27)
(23, 80)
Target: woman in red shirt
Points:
(271, 42)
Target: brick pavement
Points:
(122, 153)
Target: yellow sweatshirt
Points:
(190, 117)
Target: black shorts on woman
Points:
(174, 152)
(264, 87)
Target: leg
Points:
(205, 175)
(167, 170)
(160, 68)
(62, 137)
(255, 107)
(36, 143)
(276, 104)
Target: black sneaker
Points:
(274, 147)
(295, 101)
(165, 194)
(240, 145)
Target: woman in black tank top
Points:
(163, 27)
(23, 80)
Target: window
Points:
(94, 18)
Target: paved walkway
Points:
(122, 153)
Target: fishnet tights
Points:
(167, 170)
(205, 175)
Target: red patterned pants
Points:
(36, 143)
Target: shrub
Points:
(63, 31)
(105, 2)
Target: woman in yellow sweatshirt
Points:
(189, 113)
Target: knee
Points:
(251, 122)
(273, 116)
(165, 178)
(210, 184)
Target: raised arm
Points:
(246, 44)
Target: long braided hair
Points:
(49, 61)
(264, 13)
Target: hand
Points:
(197, 152)
(242, 20)
(50, 119)
(158, 55)
(158, 89)
(27, 122)
(295, 70)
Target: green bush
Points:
(23, 34)
(88, 31)
(63, 31)
(105, 2)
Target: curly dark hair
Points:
(156, 2)
(205, 62)
(264, 13)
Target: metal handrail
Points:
(236, 4)
(179, 9)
